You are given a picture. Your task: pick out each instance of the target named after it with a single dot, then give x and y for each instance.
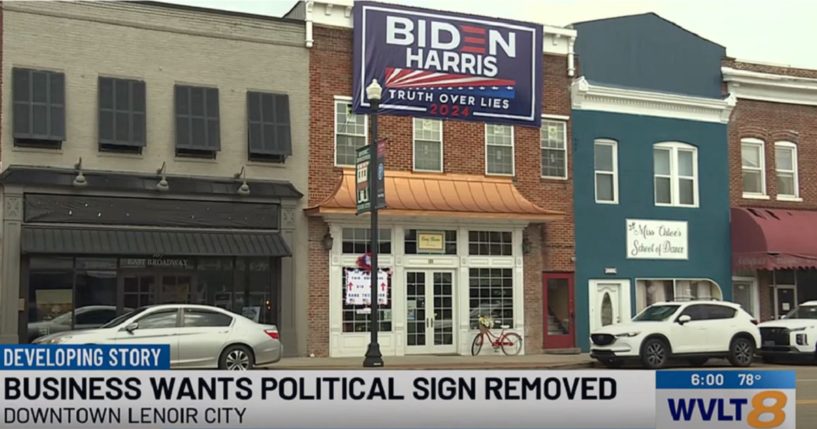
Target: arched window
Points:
(675, 170)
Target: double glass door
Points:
(430, 312)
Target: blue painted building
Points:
(651, 177)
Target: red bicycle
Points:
(509, 342)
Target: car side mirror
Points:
(132, 327)
(684, 319)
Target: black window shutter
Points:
(268, 128)
(106, 114)
(121, 112)
(56, 102)
(197, 118)
(22, 111)
(38, 104)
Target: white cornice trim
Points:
(587, 96)
(338, 13)
(776, 88)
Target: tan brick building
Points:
(437, 297)
(151, 153)
(773, 186)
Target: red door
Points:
(557, 301)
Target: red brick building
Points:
(773, 189)
(498, 233)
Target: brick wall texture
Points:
(773, 122)
(552, 245)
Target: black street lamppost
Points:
(373, 356)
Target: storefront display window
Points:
(252, 298)
(649, 292)
(356, 317)
(490, 243)
(357, 241)
(491, 294)
(216, 280)
(51, 302)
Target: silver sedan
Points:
(199, 336)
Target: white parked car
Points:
(693, 330)
(795, 335)
(199, 336)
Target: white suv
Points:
(694, 330)
(795, 335)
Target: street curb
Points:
(457, 366)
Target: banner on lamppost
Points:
(363, 165)
(437, 64)
(363, 203)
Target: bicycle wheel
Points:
(511, 344)
(476, 345)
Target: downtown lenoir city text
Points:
(38, 392)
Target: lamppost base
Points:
(374, 358)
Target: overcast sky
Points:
(782, 32)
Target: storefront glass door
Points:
(430, 312)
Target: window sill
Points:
(265, 164)
(499, 174)
(607, 202)
(196, 160)
(678, 206)
(554, 178)
(755, 196)
(417, 170)
(789, 198)
(120, 155)
(36, 149)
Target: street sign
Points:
(362, 180)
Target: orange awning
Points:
(441, 195)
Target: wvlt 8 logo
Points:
(725, 399)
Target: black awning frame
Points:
(143, 242)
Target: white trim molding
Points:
(338, 13)
(776, 88)
(587, 96)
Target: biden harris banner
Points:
(437, 64)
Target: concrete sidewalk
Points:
(499, 361)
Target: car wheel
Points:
(654, 353)
(741, 352)
(698, 361)
(236, 358)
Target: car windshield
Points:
(118, 320)
(656, 313)
(803, 312)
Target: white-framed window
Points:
(553, 144)
(675, 169)
(753, 167)
(785, 161)
(428, 145)
(499, 149)
(651, 291)
(351, 132)
(605, 164)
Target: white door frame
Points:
(429, 347)
(624, 299)
(778, 287)
(755, 292)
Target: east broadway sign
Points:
(437, 64)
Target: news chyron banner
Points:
(60, 386)
(435, 64)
